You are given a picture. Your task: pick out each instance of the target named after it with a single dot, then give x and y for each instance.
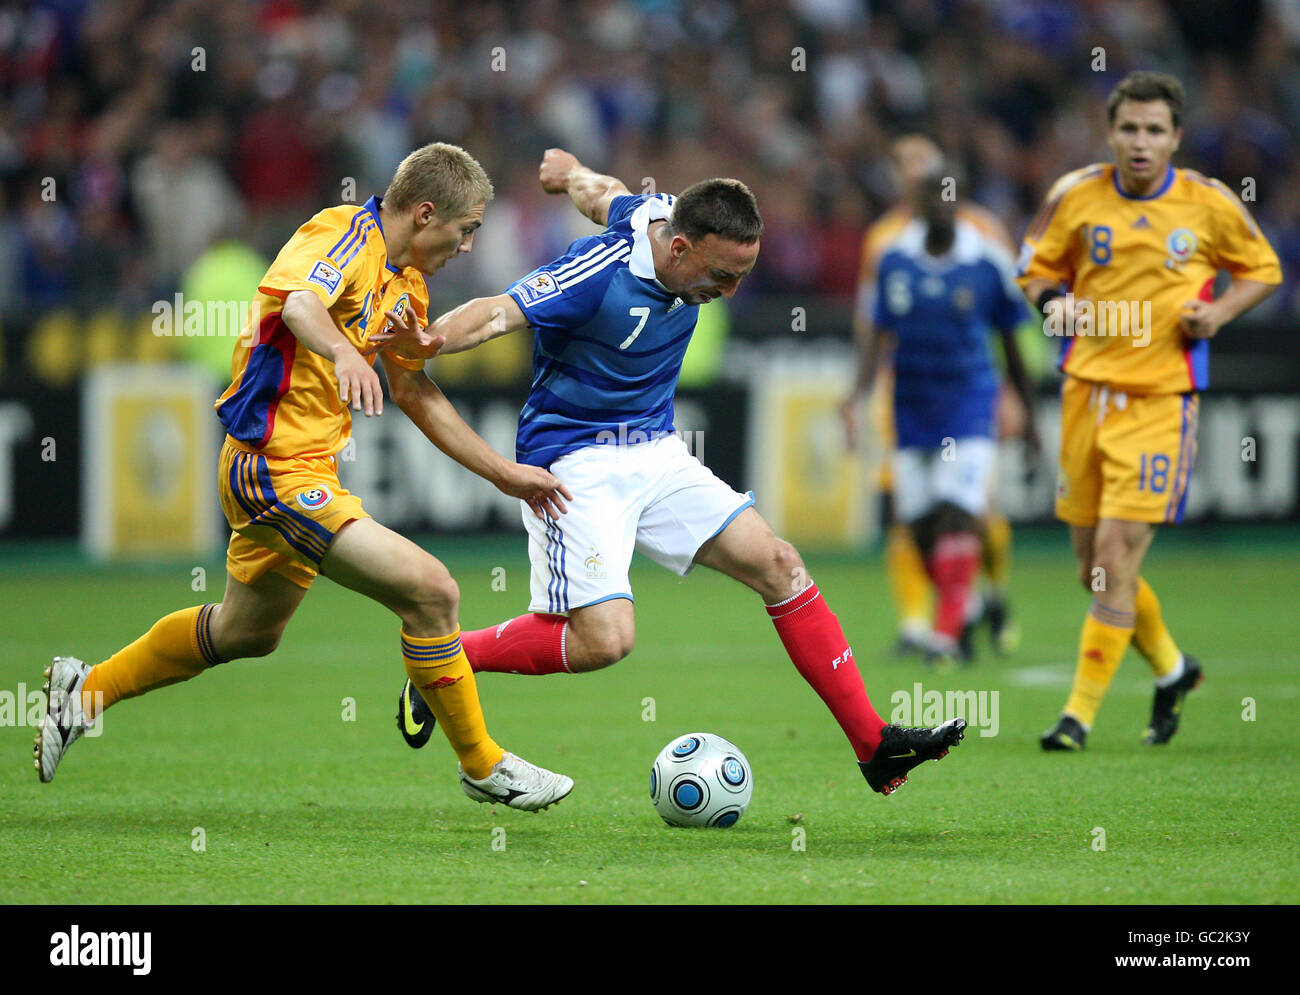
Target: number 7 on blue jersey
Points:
(643, 313)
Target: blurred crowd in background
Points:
(144, 144)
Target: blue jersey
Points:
(608, 340)
(941, 311)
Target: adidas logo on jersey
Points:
(674, 305)
(1141, 222)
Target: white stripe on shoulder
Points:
(580, 261)
(621, 252)
(588, 260)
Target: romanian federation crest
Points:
(317, 497)
(1181, 246)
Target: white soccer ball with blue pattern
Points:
(701, 780)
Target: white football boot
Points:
(63, 721)
(517, 783)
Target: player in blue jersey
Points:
(943, 285)
(612, 319)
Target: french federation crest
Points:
(1181, 246)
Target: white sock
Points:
(1173, 675)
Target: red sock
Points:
(812, 636)
(530, 644)
(953, 565)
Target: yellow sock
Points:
(907, 574)
(177, 648)
(1150, 637)
(440, 671)
(997, 549)
(1105, 637)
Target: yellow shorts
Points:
(1125, 456)
(284, 513)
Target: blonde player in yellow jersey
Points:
(346, 274)
(913, 158)
(1122, 260)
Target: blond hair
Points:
(446, 175)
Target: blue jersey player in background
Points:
(943, 286)
(611, 320)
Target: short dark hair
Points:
(1143, 86)
(721, 207)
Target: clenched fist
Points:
(555, 169)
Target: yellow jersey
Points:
(283, 400)
(1132, 263)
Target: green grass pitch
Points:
(290, 774)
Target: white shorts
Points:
(655, 497)
(959, 473)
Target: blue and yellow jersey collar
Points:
(373, 205)
(1164, 187)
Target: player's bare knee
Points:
(1110, 555)
(1102, 570)
(781, 571)
(264, 643)
(249, 643)
(1112, 570)
(593, 648)
(434, 596)
(612, 650)
(601, 651)
(236, 636)
(787, 558)
(448, 594)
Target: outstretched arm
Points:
(479, 320)
(434, 415)
(591, 192)
(471, 324)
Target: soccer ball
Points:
(701, 780)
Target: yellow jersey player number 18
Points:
(1121, 260)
